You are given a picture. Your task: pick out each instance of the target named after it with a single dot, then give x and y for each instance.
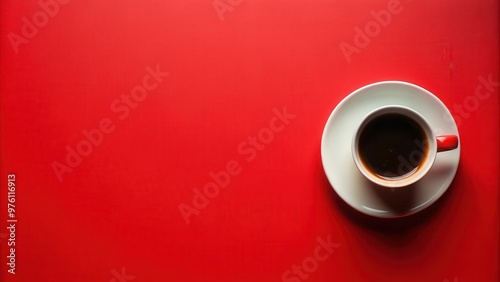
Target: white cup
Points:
(411, 167)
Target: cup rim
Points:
(401, 181)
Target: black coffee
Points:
(392, 145)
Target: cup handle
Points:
(446, 142)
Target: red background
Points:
(120, 207)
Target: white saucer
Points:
(344, 176)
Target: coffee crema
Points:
(392, 146)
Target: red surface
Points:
(116, 217)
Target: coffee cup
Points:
(394, 146)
